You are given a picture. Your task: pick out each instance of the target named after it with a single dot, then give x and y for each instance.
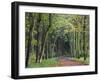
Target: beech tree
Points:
(53, 35)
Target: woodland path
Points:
(65, 61)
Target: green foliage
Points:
(45, 63)
(82, 60)
(45, 18)
(34, 42)
(32, 58)
(55, 35)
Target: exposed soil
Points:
(63, 61)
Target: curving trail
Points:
(63, 61)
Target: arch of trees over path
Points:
(56, 39)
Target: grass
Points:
(44, 63)
(82, 60)
(51, 62)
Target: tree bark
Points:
(38, 37)
(84, 39)
(45, 38)
(29, 40)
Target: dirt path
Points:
(62, 61)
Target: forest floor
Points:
(64, 61)
(58, 62)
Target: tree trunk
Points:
(53, 46)
(38, 38)
(29, 40)
(84, 39)
(45, 38)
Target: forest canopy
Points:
(52, 36)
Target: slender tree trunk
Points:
(70, 43)
(84, 39)
(38, 37)
(75, 43)
(29, 40)
(46, 55)
(53, 46)
(78, 46)
(45, 38)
